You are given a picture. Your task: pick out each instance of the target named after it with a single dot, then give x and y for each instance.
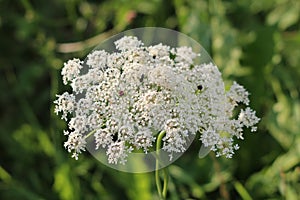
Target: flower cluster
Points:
(126, 98)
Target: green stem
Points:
(158, 184)
(162, 192)
(166, 180)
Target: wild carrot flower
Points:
(125, 98)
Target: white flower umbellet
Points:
(127, 97)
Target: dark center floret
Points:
(199, 87)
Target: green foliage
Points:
(256, 43)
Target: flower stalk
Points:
(162, 191)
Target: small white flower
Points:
(126, 133)
(115, 60)
(71, 70)
(248, 118)
(238, 93)
(159, 51)
(97, 59)
(128, 43)
(78, 123)
(117, 152)
(81, 83)
(174, 141)
(103, 138)
(143, 140)
(65, 103)
(76, 143)
(185, 54)
(209, 137)
(94, 120)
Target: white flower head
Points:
(126, 98)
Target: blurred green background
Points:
(256, 43)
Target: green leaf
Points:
(64, 183)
